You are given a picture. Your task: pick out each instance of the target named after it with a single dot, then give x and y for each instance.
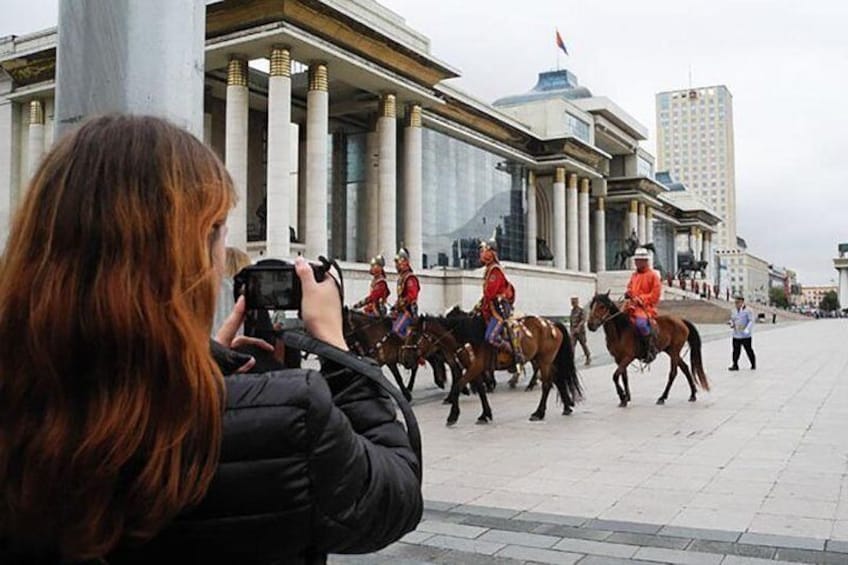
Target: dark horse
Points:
(373, 337)
(545, 344)
(630, 245)
(623, 343)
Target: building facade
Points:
(695, 144)
(811, 295)
(747, 274)
(343, 139)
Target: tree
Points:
(777, 297)
(830, 301)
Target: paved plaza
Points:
(753, 472)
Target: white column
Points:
(207, 129)
(413, 183)
(692, 242)
(843, 287)
(649, 225)
(583, 218)
(700, 245)
(387, 177)
(317, 129)
(35, 146)
(294, 179)
(559, 219)
(10, 130)
(235, 148)
(371, 229)
(572, 226)
(279, 152)
(532, 221)
(641, 231)
(600, 237)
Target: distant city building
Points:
(747, 274)
(812, 295)
(695, 144)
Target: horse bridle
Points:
(609, 316)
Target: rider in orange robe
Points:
(375, 303)
(643, 294)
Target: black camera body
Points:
(272, 284)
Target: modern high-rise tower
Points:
(695, 144)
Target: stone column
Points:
(138, 57)
(10, 131)
(387, 178)
(649, 225)
(692, 242)
(279, 154)
(571, 223)
(583, 222)
(35, 147)
(235, 148)
(371, 227)
(532, 222)
(600, 236)
(317, 131)
(413, 183)
(700, 244)
(843, 287)
(559, 218)
(641, 231)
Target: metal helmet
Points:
(378, 260)
(641, 253)
(402, 255)
(491, 243)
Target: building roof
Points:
(664, 177)
(551, 85)
(741, 243)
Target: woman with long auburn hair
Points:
(119, 437)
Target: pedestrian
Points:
(577, 321)
(742, 322)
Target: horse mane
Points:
(622, 322)
(464, 327)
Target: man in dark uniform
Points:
(375, 303)
(405, 309)
(578, 328)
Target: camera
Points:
(272, 284)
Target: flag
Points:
(560, 43)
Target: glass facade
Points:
(664, 246)
(644, 168)
(469, 194)
(615, 218)
(577, 127)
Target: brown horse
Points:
(544, 344)
(624, 345)
(373, 337)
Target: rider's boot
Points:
(649, 346)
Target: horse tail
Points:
(695, 355)
(565, 373)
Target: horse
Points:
(631, 245)
(544, 344)
(623, 343)
(373, 337)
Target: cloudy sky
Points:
(785, 62)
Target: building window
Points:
(576, 127)
(644, 168)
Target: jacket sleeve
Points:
(412, 289)
(653, 297)
(365, 478)
(495, 285)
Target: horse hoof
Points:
(567, 411)
(692, 399)
(482, 420)
(536, 417)
(529, 388)
(512, 384)
(622, 404)
(660, 401)
(450, 422)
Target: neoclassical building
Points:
(344, 139)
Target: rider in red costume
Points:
(375, 303)
(498, 296)
(406, 308)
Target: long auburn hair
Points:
(110, 404)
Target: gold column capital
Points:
(584, 185)
(237, 72)
(572, 180)
(693, 230)
(36, 112)
(280, 61)
(318, 77)
(559, 174)
(641, 209)
(634, 206)
(413, 115)
(601, 204)
(388, 105)
(649, 212)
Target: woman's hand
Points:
(321, 307)
(227, 337)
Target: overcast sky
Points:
(785, 62)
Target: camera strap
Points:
(304, 342)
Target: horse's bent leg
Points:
(439, 374)
(486, 415)
(692, 390)
(411, 383)
(539, 414)
(534, 379)
(567, 401)
(396, 374)
(626, 381)
(622, 399)
(672, 373)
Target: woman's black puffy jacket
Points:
(309, 466)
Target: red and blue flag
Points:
(560, 43)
